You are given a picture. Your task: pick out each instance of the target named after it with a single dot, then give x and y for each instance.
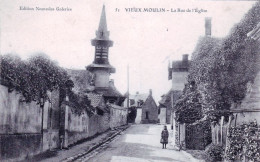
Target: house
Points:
(178, 72)
(147, 110)
(249, 109)
(165, 106)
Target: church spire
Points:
(102, 44)
(102, 32)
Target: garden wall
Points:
(20, 126)
(22, 132)
(82, 126)
(118, 116)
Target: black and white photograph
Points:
(130, 81)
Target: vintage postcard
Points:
(129, 80)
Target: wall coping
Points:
(244, 110)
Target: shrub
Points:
(215, 153)
(243, 142)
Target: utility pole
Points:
(127, 86)
(127, 92)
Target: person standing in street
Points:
(164, 137)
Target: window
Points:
(111, 101)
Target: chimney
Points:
(150, 92)
(185, 58)
(208, 26)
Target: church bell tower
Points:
(100, 66)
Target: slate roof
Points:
(166, 99)
(138, 97)
(180, 66)
(96, 99)
(111, 91)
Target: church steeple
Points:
(100, 66)
(102, 42)
(102, 32)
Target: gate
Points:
(198, 136)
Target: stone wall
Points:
(162, 115)
(138, 115)
(81, 126)
(22, 131)
(118, 116)
(20, 126)
(17, 116)
(179, 134)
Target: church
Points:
(95, 81)
(101, 68)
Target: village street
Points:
(139, 143)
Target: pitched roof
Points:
(95, 99)
(180, 66)
(166, 99)
(111, 91)
(102, 32)
(138, 97)
(149, 99)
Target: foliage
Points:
(33, 77)
(79, 102)
(215, 153)
(222, 68)
(37, 75)
(244, 141)
(188, 107)
(198, 134)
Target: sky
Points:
(146, 41)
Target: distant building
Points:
(165, 106)
(178, 73)
(147, 110)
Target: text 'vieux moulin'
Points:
(135, 9)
